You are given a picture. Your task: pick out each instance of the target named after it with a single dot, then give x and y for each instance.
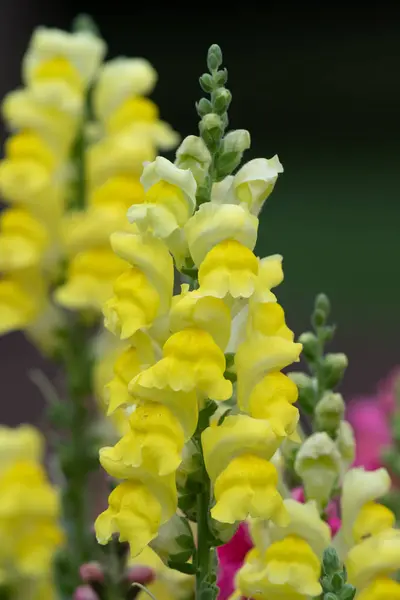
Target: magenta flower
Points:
(231, 557)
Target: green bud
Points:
(211, 129)
(323, 304)
(221, 77)
(318, 318)
(222, 100)
(337, 581)
(227, 163)
(207, 83)
(346, 444)
(347, 592)
(84, 23)
(307, 388)
(204, 107)
(330, 596)
(333, 368)
(329, 412)
(331, 561)
(310, 345)
(190, 470)
(214, 57)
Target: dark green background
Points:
(321, 88)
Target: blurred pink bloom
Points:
(92, 571)
(85, 592)
(231, 557)
(371, 431)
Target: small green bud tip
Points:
(206, 83)
(204, 107)
(310, 344)
(214, 57)
(85, 23)
(331, 560)
(323, 304)
(222, 100)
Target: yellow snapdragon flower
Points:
(286, 560)
(59, 66)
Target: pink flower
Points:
(231, 557)
(371, 431)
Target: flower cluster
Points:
(36, 173)
(286, 561)
(184, 350)
(29, 514)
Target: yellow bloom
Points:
(58, 66)
(23, 239)
(360, 489)
(272, 398)
(305, 522)
(19, 444)
(376, 556)
(154, 443)
(191, 361)
(248, 487)
(118, 155)
(170, 202)
(137, 508)
(205, 312)
(22, 297)
(119, 80)
(260, 355)
(22, 111)
(26, 172)
(381, 589)
(127, 365)
(90, 279)
(29, 510)
(123, 190)
(151, 256)
(289, 570)
(237, 455)
(213, 224)
(372, 519)
(268, 318)
(228, 269)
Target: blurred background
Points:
(319, 87)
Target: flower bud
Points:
(310, 345)
(189, 472)
(323, 304)
(222, 100)
(329, 412)
(236, 141)
(211, 128)
(333, 368)
(221, 77)
(174, 542)
(193, 154)
(204, 107)
(92, 571)
(214, 57)
(307, 387)
(206, 83)
(318, 464)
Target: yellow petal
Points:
(381, 589)
(375, 556)
(213, 224)
(372, 518)
(247, 487)
(238, 434)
